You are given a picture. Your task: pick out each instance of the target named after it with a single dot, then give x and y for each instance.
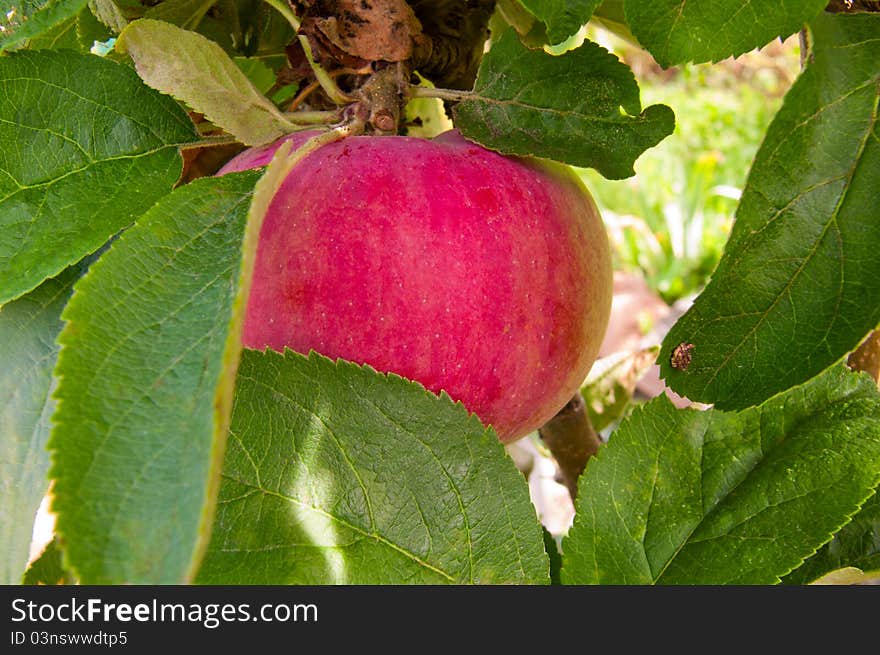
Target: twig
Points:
(308, 90)
(571, 438)
(302, 95)
(383, 95)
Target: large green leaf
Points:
(85, 148)
(146, 371)
(797, 287)
(48, 16)
(562, 17)
(857, 545)
(689, 497)
(567, 108)
(28, 328)
(196, 70)
(338, 474)
(677, 31)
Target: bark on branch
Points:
(571, 438)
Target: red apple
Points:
(484, 276)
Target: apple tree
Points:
(173, 454)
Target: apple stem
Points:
(416, 91)
(572, 440)
(323, 77)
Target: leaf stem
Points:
(452, 95)
(304, 93)
(324, 79)
(212, 140)
(312, 117)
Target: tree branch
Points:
(384, 93)
(571, 438)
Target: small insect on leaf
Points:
(681, 356)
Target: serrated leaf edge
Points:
(67, 336)
(663, 401)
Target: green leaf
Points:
(85, 148)
(256, 70)
(183, 13)
(89, 30)
(76, 33)
(48, 568)
(338, 474)
(610, 15)
(48, 16)
(562, 17)
(61, 37)
(109, 13)
(580, 108)
(797, 287)
(857, 545)
(849, 576)
(147, 366)
(28, 328)
(690, 497)
(210, 82)
(677, 31)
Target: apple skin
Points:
(484, 276)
